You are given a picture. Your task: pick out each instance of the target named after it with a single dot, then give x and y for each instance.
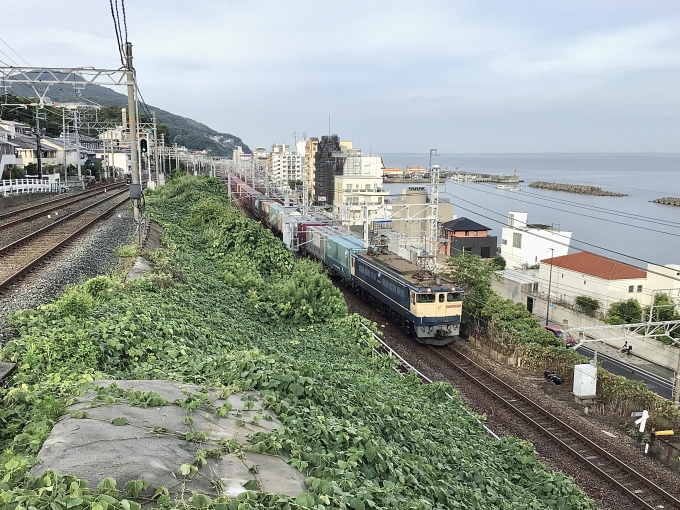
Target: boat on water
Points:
(507, 187)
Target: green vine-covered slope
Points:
(227, 306)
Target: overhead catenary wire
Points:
(10, 59)
(14, 51)
(116, 26)
(556, 241)
(613, 212)
(587, 215)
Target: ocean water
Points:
(630, 229)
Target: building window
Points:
(516, 240)
(467, 249)
(467, 232)
(475, 233)
(631, 288)
(639, 288)
(511, 220)
(584, 282)
(504, 241)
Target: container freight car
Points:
(338, 254)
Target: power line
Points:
(116, 26)
(558, 242)
(124, 20)
(22, 58)
(9, 58)
(581, 214)
(614, 212)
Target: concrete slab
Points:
(92, 447)
(140, 267)
(6, 370)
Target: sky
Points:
(393, 76)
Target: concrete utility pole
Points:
(37, 141)
(163, 152)
(156, 147)
(547, 311)
(77, 142)
(136, 186)
(63, 136)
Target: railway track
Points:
(19, 257)
(638, 489)
(16, 216)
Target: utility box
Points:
(585, 383)
(135, 191)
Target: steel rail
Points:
(55, 200)
(40, 231)
(569, 432)
(40, 209)
(36, 260)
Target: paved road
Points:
(657, 379)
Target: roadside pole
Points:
(155, 149)
(136, 186)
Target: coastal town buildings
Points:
(311, 148)
(524, 244)
(463, 235)
(588, 274)
(284, 166)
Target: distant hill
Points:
(180, 130)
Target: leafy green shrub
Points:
(512, 325)
(587, 304)
(307, 295)
(99, 286)
(75, 303)
(127, 251)
(624, 312)
(499, 262)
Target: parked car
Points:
(559, 333)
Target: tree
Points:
(499, 262)
(13, 172)
(31, 169)
(587, 305)
(474, 275)
(664, 309)
(624, 312)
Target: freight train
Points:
(429, 307)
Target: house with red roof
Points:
(592, 275)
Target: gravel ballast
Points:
(90, 255)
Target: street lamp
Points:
(547, 312)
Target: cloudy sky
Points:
(395, 76)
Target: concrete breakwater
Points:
(576, 188)
(667, 201)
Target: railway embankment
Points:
(228, 312)
(575, 188)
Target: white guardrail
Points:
(15, 186)
(393, 354)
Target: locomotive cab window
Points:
(425, 298)
(441, 298)
(452, 296)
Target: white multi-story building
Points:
(359, 190)
(524, 244)
(284, 166)
(261, 163)
(311, 148)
